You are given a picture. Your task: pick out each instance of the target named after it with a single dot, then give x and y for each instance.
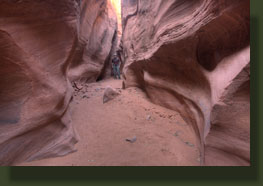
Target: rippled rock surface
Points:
(43, 46)
(192, 57)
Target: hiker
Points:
(116, 66)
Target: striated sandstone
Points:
(43, 46)
(186, 55)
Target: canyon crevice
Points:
(188, 57)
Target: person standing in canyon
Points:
(116, 66)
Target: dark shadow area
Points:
(254, 95)
(132, 173)
(210, 49)
(108, 59)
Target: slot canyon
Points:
(183, 98)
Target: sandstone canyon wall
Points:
(44, 45)
(193, 57)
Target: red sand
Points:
(162, 137)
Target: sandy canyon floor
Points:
(162, 136)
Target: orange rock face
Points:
(193, 57)
(43, 46)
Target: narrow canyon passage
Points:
(183, 98)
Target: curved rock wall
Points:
(96, 42)
(186, 55)
(228, 142)
(43, 46)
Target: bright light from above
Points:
(117, 6)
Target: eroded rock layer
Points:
(186, 55)
(43, 46)
(228, 142)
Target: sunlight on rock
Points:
(117, 7)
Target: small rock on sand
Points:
(189, 144)
(109, 94)
(85, 96)
(176, 133)
(132, 140)
(148, 117)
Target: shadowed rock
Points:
(109, 94)
(184, 54)
(43, 46)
